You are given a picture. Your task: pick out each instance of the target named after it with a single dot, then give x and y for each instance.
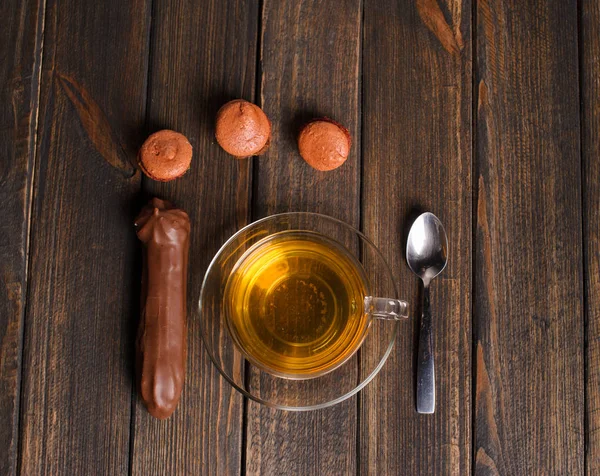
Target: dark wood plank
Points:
(417, 157)
(528, 298)
(77, 371)
(590, 102)
(203, 54)
(21, 54)
(310, 67)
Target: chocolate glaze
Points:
(162, 334)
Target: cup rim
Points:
(265, 402)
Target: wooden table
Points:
(501, 141)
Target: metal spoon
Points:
(427, 255)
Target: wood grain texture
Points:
(590, 103)
(528, 299)
(203, 54)
(21, 53)
(433, 18)
(310, 59)
(77, 367)
(417, 157)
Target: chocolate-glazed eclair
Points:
(162, 335)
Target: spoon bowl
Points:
(427, 256)
(427, 247)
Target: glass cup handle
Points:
(386, 308)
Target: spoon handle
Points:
(425, 369)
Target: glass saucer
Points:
(280, 392)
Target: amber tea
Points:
(295, 304)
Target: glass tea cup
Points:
(291, 311)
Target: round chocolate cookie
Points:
(165, 155)
(242, 129)
(324, 144)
